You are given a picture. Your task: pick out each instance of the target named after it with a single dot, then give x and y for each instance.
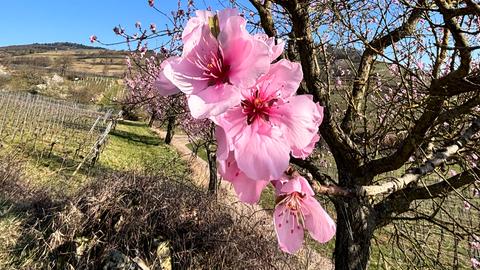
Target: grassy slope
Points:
(132, 146)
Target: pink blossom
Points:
(153, 28)
(247, 189)
(466, 205)
(164, 86)
(338, 81)
(275, 47)
(118, 30)
(151, 3)
(211, 70)
(270, 122)
(420, 65)
(475, 245)
(93, 38)
(191, 34)
(138, 24)
(299, 210)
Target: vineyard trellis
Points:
(50, 129)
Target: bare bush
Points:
(141, 218)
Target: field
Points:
(40, 153)
(66, 71)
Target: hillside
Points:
(45, 47)
(64, 70)
(69, 59)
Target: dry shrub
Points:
(136, 214)
(142, 218)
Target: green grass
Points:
(201, 152)
(132, 146)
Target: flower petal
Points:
(213, 101)
(289, 232)
(163, 85)
(261, 152)
(223, 148)
(275, 49)
(186, 74)
(285, 76)
(305, 152)
(248, 190)
(247, 57)
(320, 225)
(299, 119)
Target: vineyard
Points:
(72, 135)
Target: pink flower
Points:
(211, 71)
(164, 86)
(420, 65)
(247, 189)
(138, 24)
(151, 3)
(270, 122)
(118, 30)
(475, 245)
(275, 49)
(153, 28)
(299, 210)
(93, 38)
(466, 205)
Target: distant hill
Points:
(65, 58)
(46, 47)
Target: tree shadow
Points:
(143, 139)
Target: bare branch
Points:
(414, 175)
(266, 19)
(373, 48)
(342, 147)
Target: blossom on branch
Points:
(298, 210)
(232, 78)
(212, 71)
(271, 122)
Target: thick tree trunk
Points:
(170, 129)
(212, 168)
(355, 227)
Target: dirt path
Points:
(308, 256)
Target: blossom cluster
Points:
(235, 79)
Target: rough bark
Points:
(355, 227)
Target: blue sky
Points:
(43, 21)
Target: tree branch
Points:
(407, 147)
(266, 19)
(373, 48)
(341, 146)
(413, 175)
